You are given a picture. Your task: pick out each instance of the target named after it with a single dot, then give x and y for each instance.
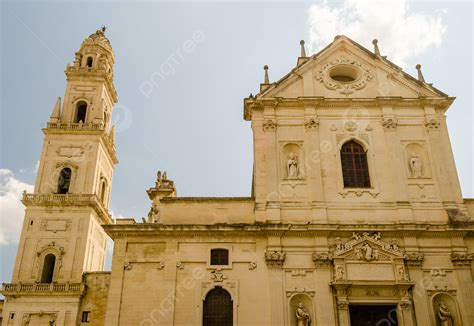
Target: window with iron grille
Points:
(355, 170)
(85, 316)
(219, 257)
(217, 308)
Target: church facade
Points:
(356, 215)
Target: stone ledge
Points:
(90, 200)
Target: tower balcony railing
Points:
(43, 288)
(75, 126)
(68, 200)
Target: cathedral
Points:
(356, 215)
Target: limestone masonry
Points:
(356, 215)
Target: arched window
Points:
(103, 190)
(81, 110)
(219, 257)
(48, 268)
(355, 170)
(217, 308)
(64, 181)
(89, 62)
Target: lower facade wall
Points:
(164, 281)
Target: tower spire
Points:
(56, 114)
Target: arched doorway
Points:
(218, 308)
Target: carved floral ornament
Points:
(354, 75)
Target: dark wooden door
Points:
(217, 308)
(373, 315)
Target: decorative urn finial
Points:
(303, 50)
(376, 47)
(420, 74)
(266, 79)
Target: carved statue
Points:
(339, 245)
(367, 249)
(444, 315)
(292, 167)
(355, 236)
(376, 236)
(402, 274)
(158, 176)
(415, 165)
(339, 273)
(302, 316)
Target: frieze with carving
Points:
(322, 259)
(269, 125)
(414, 259)
(311, 124)
(432, 124)
(275, 258)
(390, 123)
(461, 259)
(218, 276)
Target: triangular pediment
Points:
(368, 247)
(345, 69)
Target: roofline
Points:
(364, 49)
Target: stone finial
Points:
(56, 114)
(420, 74)
(376, 47)
(303, 50)
(266, 80)
(103, 28)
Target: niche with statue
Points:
(292, 162)
(445, 311)
(301, 310)
(417, 161)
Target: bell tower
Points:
(62, 237)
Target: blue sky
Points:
(191, 123)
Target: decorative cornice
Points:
(254, 104)
(280, 229)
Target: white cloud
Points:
(402, 34)
(12, 210)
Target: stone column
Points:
(272, 162)
(396, 157)
(462, 267)
(313, 166)
(274, 261)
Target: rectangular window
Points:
(85, 316)
(219, 257)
